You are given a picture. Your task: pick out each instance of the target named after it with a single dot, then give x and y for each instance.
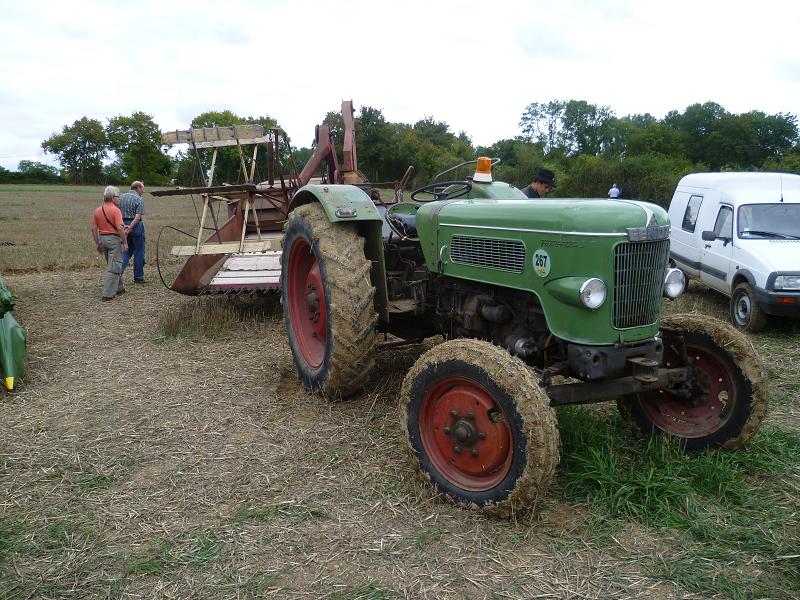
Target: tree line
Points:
(586, 145)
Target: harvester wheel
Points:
(728, 395)
(479, 427)
(327, 302)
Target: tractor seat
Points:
(404, 222)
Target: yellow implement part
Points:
(9, 383)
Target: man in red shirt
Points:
(108, 231)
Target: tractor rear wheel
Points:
(327, 302)
(728, 395)
(479, 427)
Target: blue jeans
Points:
(135, 249)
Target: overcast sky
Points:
(473, 64)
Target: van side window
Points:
(690, 216)
(723, 227)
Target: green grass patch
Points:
(202, 548)
(195, 550)
(156, 560)
(64, 535)
(13, 538)
(8, 218)
(366, 591)
(424, 537)
(52, 538)
(733, 509)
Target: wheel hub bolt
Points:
(474, 452)
(481, 435)
(453, 413)
(457, 449)
(447, 431)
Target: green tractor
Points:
(541, 303)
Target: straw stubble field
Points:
(145, 458)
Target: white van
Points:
(739, 233)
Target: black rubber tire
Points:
(525, 410)
(345, 272)
(744, 404)
(745, 312)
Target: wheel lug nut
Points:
(447, 430)
(453, 413)
(471, 415)
(474, 452)
(481, 435)
(457, 449)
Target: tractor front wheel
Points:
(327, 302)
(723, 403)
(479, 426)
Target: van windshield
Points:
(777, 221)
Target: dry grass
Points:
(45, 227)
(139, 464)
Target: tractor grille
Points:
(638, 282)
(506, 255)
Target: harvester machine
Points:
(240, 227)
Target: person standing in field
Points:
(613, 193)
(108, 232)
(543, 182)
(132, 207)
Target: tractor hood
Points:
(550, 248)
(565, 216)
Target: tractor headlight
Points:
(674, 283)
(593, 293)
(787, 282)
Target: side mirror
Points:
(708, 236)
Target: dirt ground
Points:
(134, 466)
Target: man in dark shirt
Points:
(543, 182)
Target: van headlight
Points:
(787, 282)
(593, 293)
(674, 283)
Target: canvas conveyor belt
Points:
(246, 272)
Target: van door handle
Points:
(707, 245)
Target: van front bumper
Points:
(781, 304)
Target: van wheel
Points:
(746, 314)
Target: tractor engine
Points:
(457, 308)
(509, 318)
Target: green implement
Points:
(13, 341)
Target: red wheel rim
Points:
(465, 433)
(713, 391)
(308, 312)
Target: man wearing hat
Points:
(543, 182)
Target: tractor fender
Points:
(338, 202)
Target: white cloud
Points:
(475, 65)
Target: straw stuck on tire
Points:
(479, 426)
(729, 396)
(328, 302)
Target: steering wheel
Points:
(439, 191)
